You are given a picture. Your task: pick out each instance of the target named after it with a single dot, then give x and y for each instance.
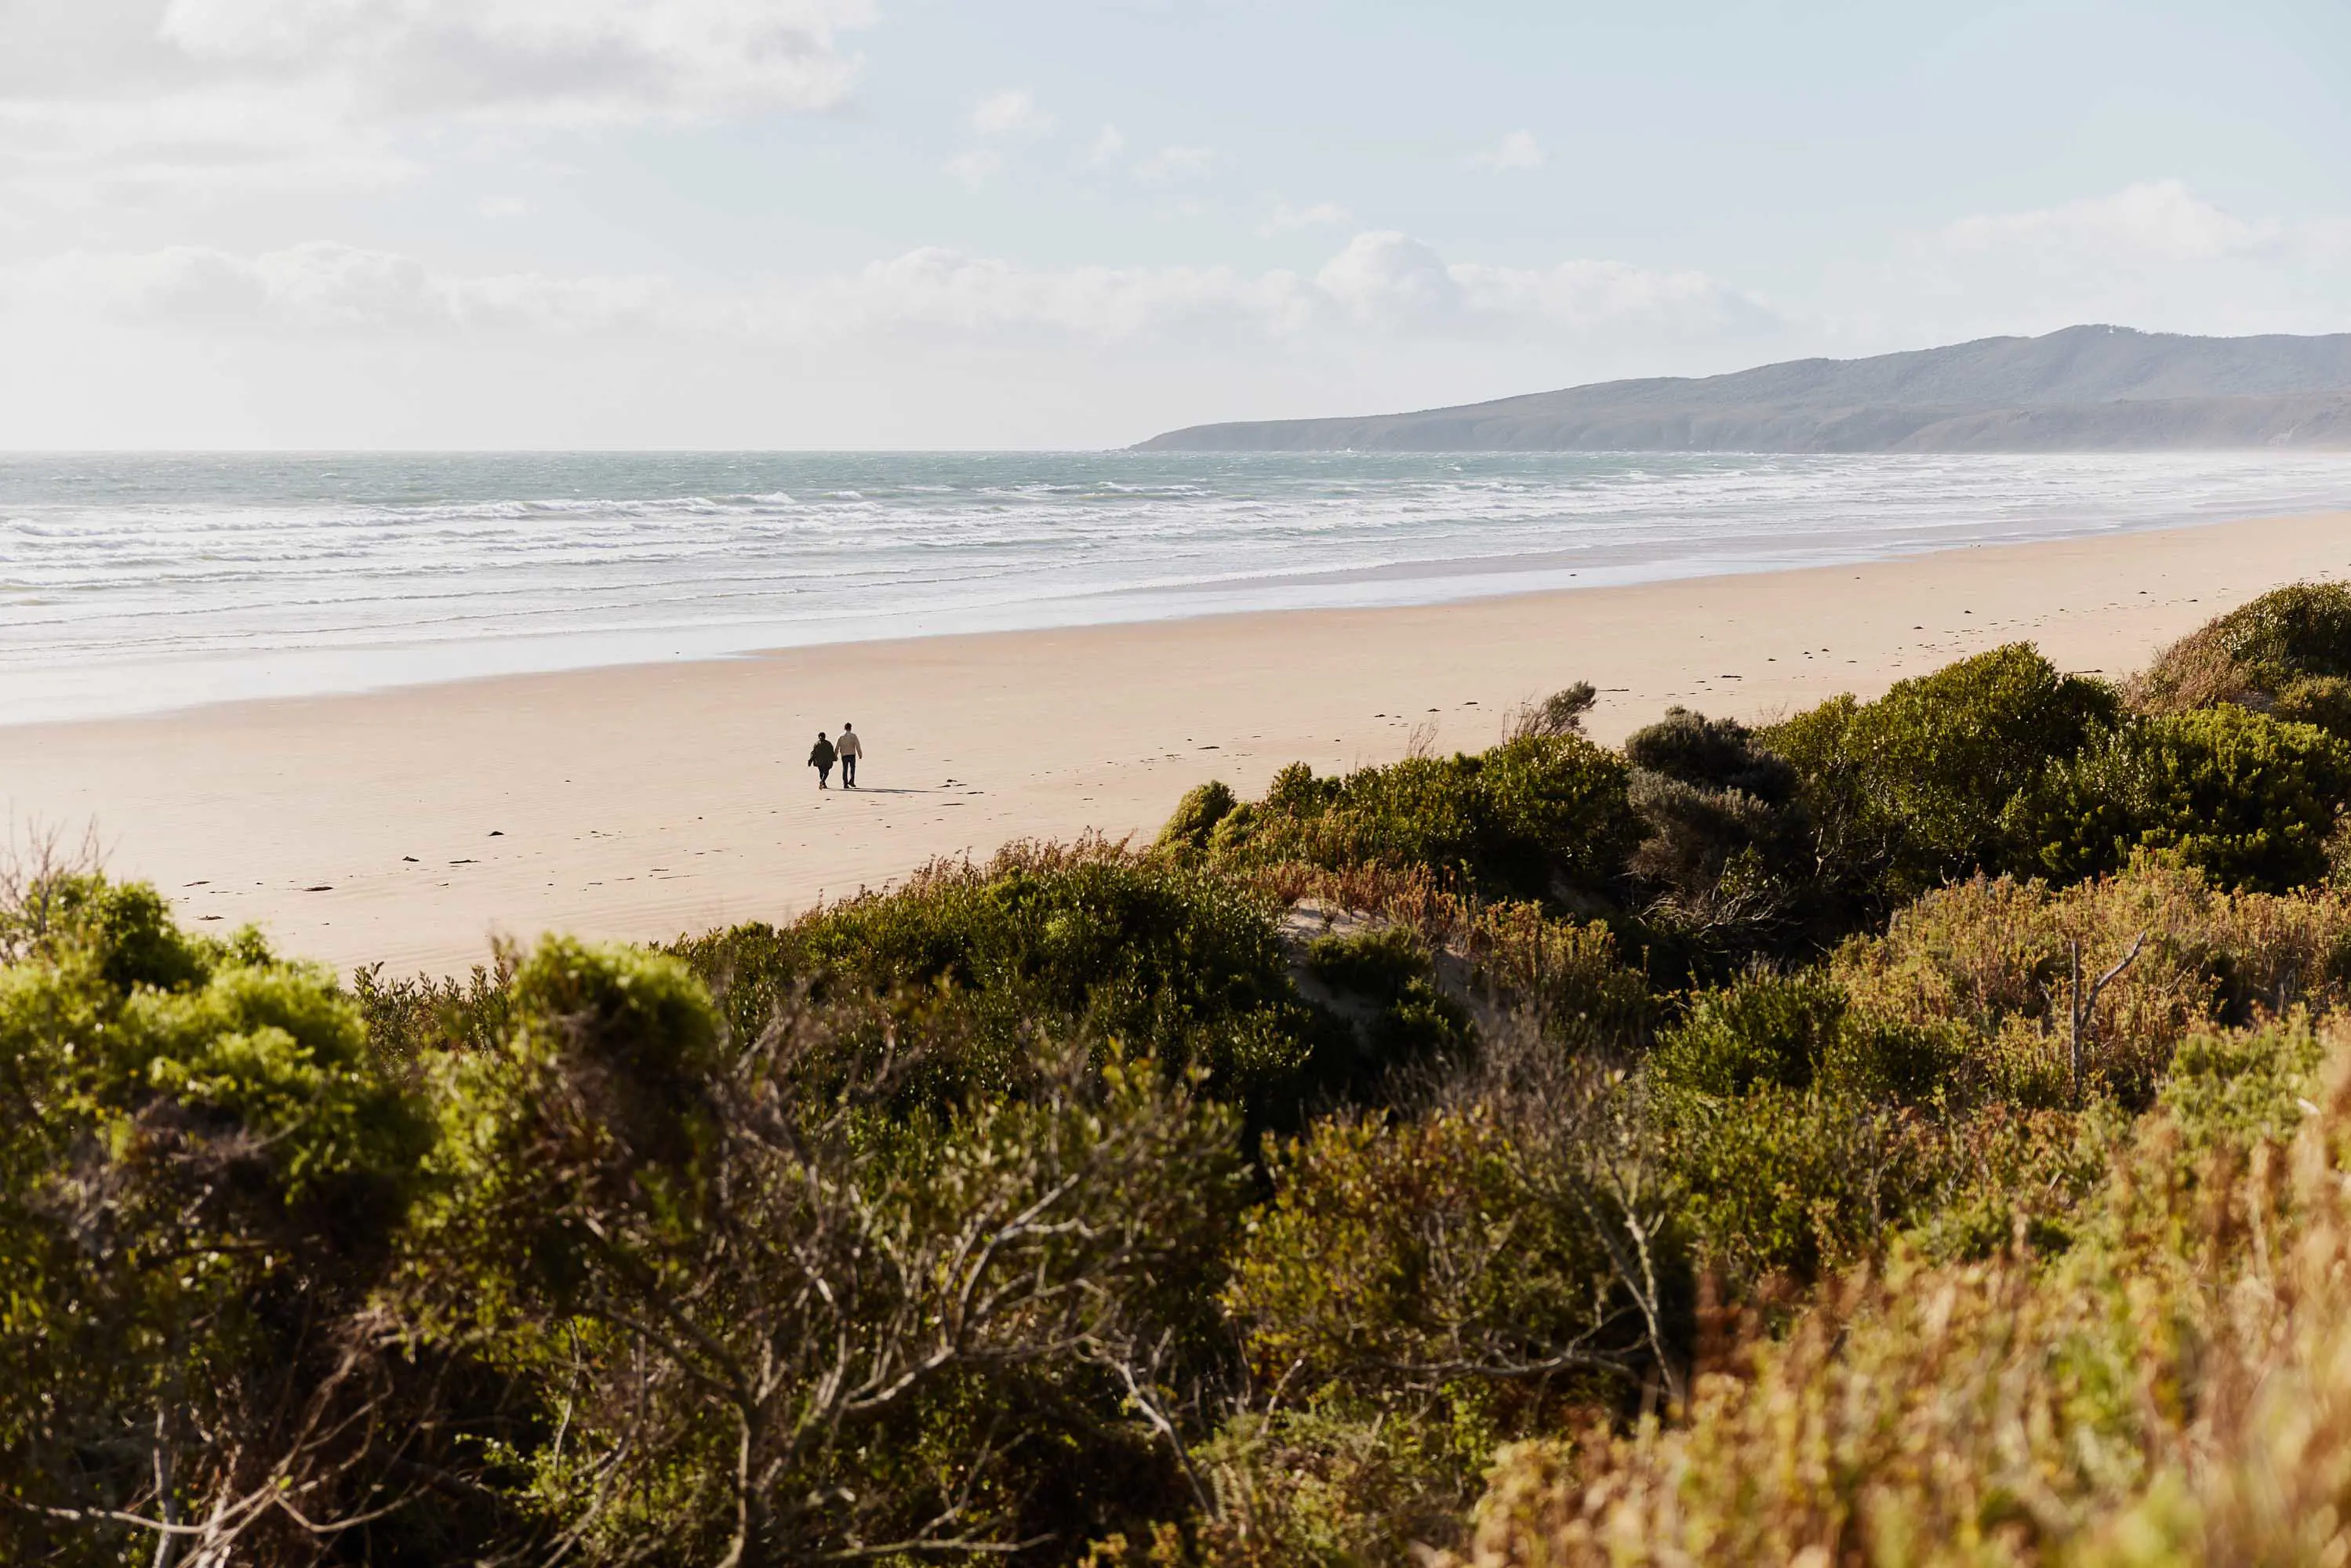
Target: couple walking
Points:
(848, 749)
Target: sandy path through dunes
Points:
(410, 825)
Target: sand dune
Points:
(409, 826)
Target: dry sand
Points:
(410, 825)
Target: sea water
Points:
(132, 583)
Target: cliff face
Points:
(2085, 389)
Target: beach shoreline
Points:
(410, 825)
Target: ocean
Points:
(132, 583)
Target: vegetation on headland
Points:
(1915, 1132)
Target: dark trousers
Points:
(849, 773)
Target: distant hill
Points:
(2084, 389)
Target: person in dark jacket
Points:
(820, 758)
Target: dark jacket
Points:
(821, 754)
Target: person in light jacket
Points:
(851, 749)
(821, 758)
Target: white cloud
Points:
(977, 167)
(1583, 295)
(1386, 282)
(2157, 220)
(1285, 216)
(113, 97)
(577, 61)
(325, 288)
(2153, 254)
(1390, 277)
(1176, 162)
(1518, 150)
(504, 207)
(1110, 145)
(1012, 113)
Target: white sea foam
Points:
(136, 584)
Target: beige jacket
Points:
(849, 745)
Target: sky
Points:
(894, 224)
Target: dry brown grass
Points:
(2196, 672)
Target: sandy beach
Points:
(410, 826)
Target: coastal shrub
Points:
(408, 1018)
(1204, 806)
(1992, 961)
(1396, 1261)
(1318, 1485)
(1540, 816)
(1907, 791)
(1782, 1119)
(1798, 1030)
(1562, 713)
(1780, 1184)
(1726, 859)
(201, 1181)
(1388, 970)
(2171, 1389)
(1169, 960)
(765, 1318)
(2246, 799)
(2289, 650)
(1768, 1029)
(1565, 979)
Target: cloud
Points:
(977, 167)
(1110, 145)
(1174, 163)
(1285, 216)
(328, 288)
(1390, 277)
(533, 61)
(1012, 113)
(111, 97)
(504, 207)
(2157, 220)
(1385, 283)
(2154, 255)
(1518, 150)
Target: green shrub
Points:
(201, 1180)
(1436, 1264)
(1540, 816)
(2303, 629)
(1178, 962)
(2322, 700)
(1726, 863)
(408, 1018)
(2241, 796)
(760, 1315)
(1796, 1031)
(2171, 1390)
(1566, 977)
(2257, 654)
(1713, 753)
(1990, 964)
(1389, 971)
(1764, 1031)
(1908, 790)
(2242, 1087)
(1196, 816)
(1789, 1183)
